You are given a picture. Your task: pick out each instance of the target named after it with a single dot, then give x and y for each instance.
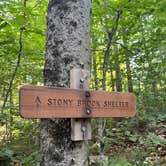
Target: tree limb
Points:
(110, 33)
(124, 47)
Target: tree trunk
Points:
(112, 78)
(118, 72)
(68, 46)
(96, 81)
(129, 77)
(128, 68)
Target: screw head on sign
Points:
(83, 128)
(87, 94)
(81, 80)
(88, 111)
(82, 65)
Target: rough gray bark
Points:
(68, 46)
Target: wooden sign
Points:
(47, 102)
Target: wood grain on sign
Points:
(47, 102)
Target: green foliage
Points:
(20, 137)
(8, 156)
(119, 161)
(137, 140)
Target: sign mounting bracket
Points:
(80, 128)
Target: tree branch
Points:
(110, 33)
(124, 47)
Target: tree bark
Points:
(68, 46)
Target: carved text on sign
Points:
(59, 102)
(56, 102)
(46, 102)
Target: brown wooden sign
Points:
(47, 102)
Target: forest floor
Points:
(135, 143)
(149, 148)
(140, 141)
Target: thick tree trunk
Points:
(68, 46)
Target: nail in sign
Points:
(46, 102)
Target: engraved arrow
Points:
(37, 101)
